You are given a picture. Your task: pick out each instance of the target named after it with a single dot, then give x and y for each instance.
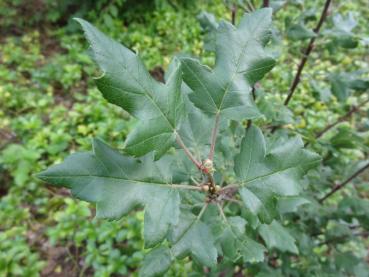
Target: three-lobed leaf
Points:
(265, 175)
(226, 89)
(126, 82)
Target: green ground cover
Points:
(50, 106)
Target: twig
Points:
(214, 136)
(339, 120)
(249, 122)
(233, 14)
(187, 151)
(229, 187)
(232, 200)
(265, 3)
(307, 52)
(340, 186)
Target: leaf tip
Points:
(41, 175)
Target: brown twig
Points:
(233, 14)
(339, 120)
(340, 186)
(265, 3)
(307, 52)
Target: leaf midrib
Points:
(226, 91)
(106, 177)
(272, 173)
(146, 92)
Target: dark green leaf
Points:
(235, 243)
(263, 176)
(289, 204)
(276, 236)
(126, 83)
(117, 184)
(240, 61)
(191, 236)
(339, 87)
(156, 262)
(299, 32)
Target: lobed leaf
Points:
(240, 61)
(126, 82)
(189, 237)
(117, 184)
(276, 236)
(236, 244)
(265, 175)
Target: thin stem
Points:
(187, 151)
(233, 14)
(214, 136)
(229, 187)
(250, 5)
(222, 213)
(339, 120)
(201, 212)
(232, 200)
(195, 181)
(307, 52)
(186, 187)
(340, 186)
(249, 122)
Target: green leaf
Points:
(265, 175)
(346, 41)
(342, 31)
(117, 184)
(126, 82)
(189, 237)
(273, 109)
(289, 204)
(192, 130)
(339, 87)
(209, 25)
(156, 262)
(299, 32)
(192, 236)
(323, 94)
(276, 236)
(358, 85)
(345, 24)
(240, 61)
(346, 138)
(342, 84)
(235, 243)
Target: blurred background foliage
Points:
(49, 107)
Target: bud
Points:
(208, 165)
